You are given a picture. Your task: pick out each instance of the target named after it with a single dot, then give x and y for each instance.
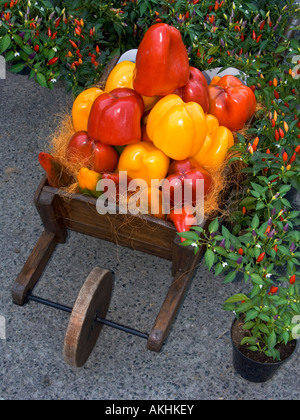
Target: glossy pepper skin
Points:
(184, 220)
(144, 161)
(218, 141)
(184, 174)
(231, 102)
(82, 107)
(88, 179)
(115, 117)
(162, 63)
(87, 152)
(177, 128)
(196, 89)
(87, 182)
(121, 76)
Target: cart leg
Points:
(34, 266)
(183, 269)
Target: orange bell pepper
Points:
(82, 107)
(177, 128)
(218, 141)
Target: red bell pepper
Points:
(196, 89)
(115, 117)
(183, 175)
(162, 63)
(97, 156)
(231, 102)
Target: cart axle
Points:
(106, 322)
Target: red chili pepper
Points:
(244, 210)
(54, 35)
(258, 38)
(253, 35)
(260, 257)
(273, 290)
(52, 61)
(57, 22)
(277, 136)
(183, 221)
(292, 279)
(275, 248)
(276, 94)
(242, 37)
(36, 48)
(297, 150)
(285, 156)
(262, 25)
(241, 251)
(73, 44)
(49, 32)
(281, 133)
(273, 122)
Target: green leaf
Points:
(237, 298)
(271, 341)
(280, 49)
(17, 67)
(257, 279)
(213, 226)
(218, 269)
(209, 258)
(212, 50)
(248, 340)
(255, 222)
(230, 277)
(4, 43)
(252, 314)
(41, 79)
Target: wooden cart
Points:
(78, 213)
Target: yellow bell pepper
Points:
(121, 76)
(82, 107)
(177, 128)
(144, 161)
(87, 182)
(218, 141)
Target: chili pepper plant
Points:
(260, 238)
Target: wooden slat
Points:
(144, 233)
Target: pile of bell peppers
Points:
(156, 118)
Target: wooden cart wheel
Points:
(83, 329)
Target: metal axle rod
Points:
(68, 309)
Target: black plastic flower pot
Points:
(252, 370)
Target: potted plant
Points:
(267, 315)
